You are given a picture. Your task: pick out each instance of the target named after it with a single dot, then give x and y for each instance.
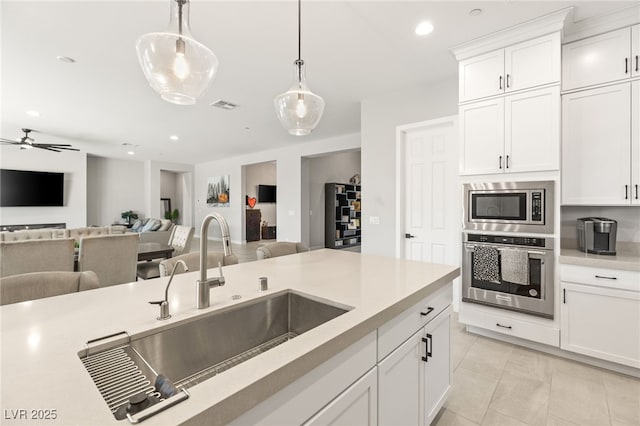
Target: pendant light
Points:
(299, 109)
(176, 66)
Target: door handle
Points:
(507, 81)
(606, 278)
(500, 83)
(507, 161)
(426, 350)
(429, 345)
(626, 192)
(429, 310)
(503, 326)
(407, 235)
(500, 162)
(637, 69)
(626, 65)
(564, 296)
(636, 191)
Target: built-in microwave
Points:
(509, 206)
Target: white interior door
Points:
(432, 206)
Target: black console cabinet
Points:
(253, 224)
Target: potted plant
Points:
(128, 216)
(172, 216)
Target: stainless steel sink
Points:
(195, 350)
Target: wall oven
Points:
(510, 272)
(509, 206)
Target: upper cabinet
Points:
(514, 133)
(605, 58)
(520, 66)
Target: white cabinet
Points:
(598, 154)
(521, 66)
(355, 406)
(601, 317)
(514, 133)
(635, 140)
(600, 59)
(415, 379)
(436, 370)
(401, 384)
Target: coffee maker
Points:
(597, 235)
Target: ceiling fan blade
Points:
(55, 146)
(9, 141)
(46, 147)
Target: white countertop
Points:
(41, 339)
(626, 261)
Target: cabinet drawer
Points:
(601, 277)
(548, 335)
(393, 333)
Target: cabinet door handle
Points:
(503, 326)
(429, 310)
(626, 192)
(606, 278)
(637, 69)
(507, 81)
(626, 65)
(426, 349)
(407, 235)
(430, 346)
(500, 83)
(564, 296)
(507, 161)
(500, 162)
(636, 191)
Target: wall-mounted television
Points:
(266, 193)
(24, 188)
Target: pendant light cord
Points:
(299, 31)
(180, 4)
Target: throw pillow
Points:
(156, 224)
(148, 227)
(165, 224)
(137, 226)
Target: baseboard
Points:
(618, 368)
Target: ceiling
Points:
(353, 50)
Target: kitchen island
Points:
(44, 381)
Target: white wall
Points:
(339, 168)
(262, 174)
(113, 186)
(628, 219)
(74, 166)
(288, 179)
(379, 118)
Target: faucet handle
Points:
(164, 309)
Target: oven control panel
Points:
(536, 206)
(510, 240)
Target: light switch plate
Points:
(374, 220)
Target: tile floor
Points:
(496, 383)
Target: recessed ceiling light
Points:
(174, 137)
(475, 12)
(424, 28)
(33, 113)
(131, 153)
(66, 59)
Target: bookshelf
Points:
(342, 216)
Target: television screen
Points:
(22, 188)
(266, 193)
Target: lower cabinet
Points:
(600, 313)
(415, 379)
(355, 406)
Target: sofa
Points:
(280, 248)
(53, 233)
(153, 230)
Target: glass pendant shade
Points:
(177, 66)
(299, 109)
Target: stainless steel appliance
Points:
(509, 206)
(509, 271)
(597, 235)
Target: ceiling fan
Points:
(27, 142)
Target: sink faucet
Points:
(164, 304)
(204, 283)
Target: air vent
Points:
(223, 104)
